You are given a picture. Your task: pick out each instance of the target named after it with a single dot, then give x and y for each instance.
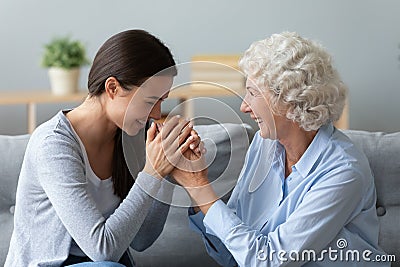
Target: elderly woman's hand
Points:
(191, 170)
(192, 174)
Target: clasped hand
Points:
(176, 149)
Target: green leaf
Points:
(64, 53)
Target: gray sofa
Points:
(178, 245)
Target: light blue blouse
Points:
(322, 214)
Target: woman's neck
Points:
(92, 124)
(295, 141)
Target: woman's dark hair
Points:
(131, 57)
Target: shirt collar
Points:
(314, 150)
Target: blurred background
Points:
(362, 35)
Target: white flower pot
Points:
(63, 81)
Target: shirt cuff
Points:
(220, 220)
(196, 221)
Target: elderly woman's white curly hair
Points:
(302, 83)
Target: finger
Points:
(185, 133)
(185, 146)
(197, 152)
(151, 132)
(175, 132)
(195, 141)
(201, 149)
(194, 133)
(169, 126)
(158, 127)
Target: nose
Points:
(155, 112)
(244, 107)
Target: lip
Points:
(256, 119)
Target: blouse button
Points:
(380, 211)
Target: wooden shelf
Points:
(34, 97)
(38, 96)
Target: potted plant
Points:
(64, 57)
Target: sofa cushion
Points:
(383, 153)
(12, 150)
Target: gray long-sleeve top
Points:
(53, 207)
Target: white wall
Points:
(362, 35)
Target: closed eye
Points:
(250, 90)
(153, 103)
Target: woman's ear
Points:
(111, 86)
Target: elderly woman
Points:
(310, 200)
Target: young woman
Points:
(77, 200)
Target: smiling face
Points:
(257, 104)
(146, 103)
(131, 109)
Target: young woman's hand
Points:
(187, 134)
(164, 149)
